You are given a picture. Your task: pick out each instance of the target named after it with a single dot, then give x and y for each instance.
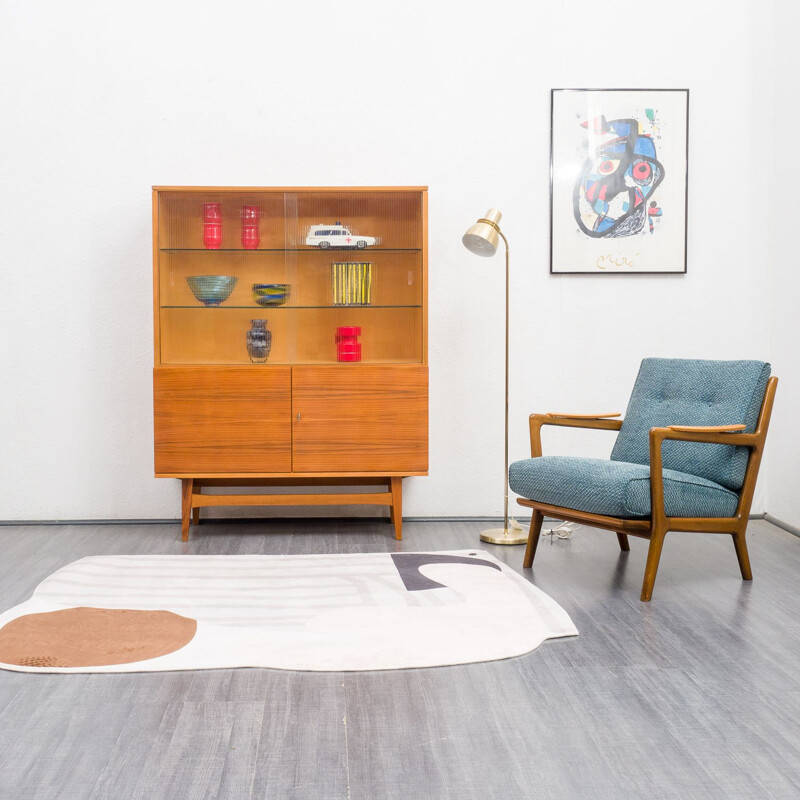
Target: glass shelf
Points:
(312, 362)
(292, 308)
(329, 250)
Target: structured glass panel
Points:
(290, 277)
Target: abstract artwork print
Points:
(618, 180)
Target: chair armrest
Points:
(584, 416)
(713, 434)
(707, 428)
(537, 421)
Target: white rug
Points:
(372, 611)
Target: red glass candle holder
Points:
(212, 212)
(250, 237)
(347, 346)
(212, 225)
(212, 235)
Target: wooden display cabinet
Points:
(299, 418)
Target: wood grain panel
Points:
(222, 419)
(364, 418)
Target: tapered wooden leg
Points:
(533, 537)
(622, 538)
(195, 516)
(741, 553)
(651, 567)
(397, 507)
(187, 486)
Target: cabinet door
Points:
(360, 419)
(222, 419)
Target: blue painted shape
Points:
(620, 128)
(645, 147)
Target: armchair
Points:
(686, 458)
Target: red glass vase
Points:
(212, 225)
(250, 237)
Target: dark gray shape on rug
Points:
(408, 565)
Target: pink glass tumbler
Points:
(250, 237)
(212, 225)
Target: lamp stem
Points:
(505, 472)
(497, 535)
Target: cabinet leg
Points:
(187, 487)
(197, 489)
(397, 507)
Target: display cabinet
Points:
(290, 344)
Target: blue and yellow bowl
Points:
(211, 289)
(270, 294)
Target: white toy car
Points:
(337, 235)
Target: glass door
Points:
(356, 257)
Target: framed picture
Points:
(618, 180)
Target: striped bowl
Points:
(270, 294)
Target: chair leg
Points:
(533, 537)
(622, 538)
(651, 567)
(742, 555)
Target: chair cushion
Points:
(671, 391)
(616, 488)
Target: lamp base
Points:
(503, 536)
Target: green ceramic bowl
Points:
(211, 290)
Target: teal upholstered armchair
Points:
(686, 458)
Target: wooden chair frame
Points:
(656, 527)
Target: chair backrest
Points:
(673, 391)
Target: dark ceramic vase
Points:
(259, 341)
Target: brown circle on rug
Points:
(93, 637)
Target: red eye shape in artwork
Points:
(641, 171)
(607, 167)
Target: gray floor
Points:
(695, 695)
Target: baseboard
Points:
(176, 520)
(781, 524)
(26, 522)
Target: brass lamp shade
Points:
(482, 238)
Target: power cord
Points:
(514, 526)
(562, 531)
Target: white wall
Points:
(100, 100)
(783, 450)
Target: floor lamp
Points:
(482, 240)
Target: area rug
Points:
(366, 611)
